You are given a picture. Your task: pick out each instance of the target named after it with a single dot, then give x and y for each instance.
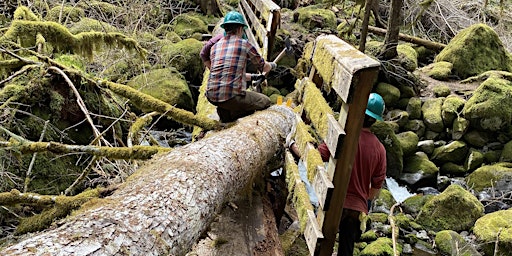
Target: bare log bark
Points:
(164, 207)
(411, 39)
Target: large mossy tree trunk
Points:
(163, 208)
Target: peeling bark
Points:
(164, 207)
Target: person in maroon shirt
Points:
(366, 179)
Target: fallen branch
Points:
(411, 39)
(394, 231)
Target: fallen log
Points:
(166, 204)
(411, 39)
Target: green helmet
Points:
(375, 107)
(234, 17)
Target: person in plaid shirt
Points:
(227, 83)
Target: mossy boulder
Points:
(454, 169)
(489, 176)
(474, 160)
(450, 242)
(506, 153)
(408, 57)
(383, 246)
(389, 92)
(416, 126)
(383, 202)
(397, 116)
(489, 227)
(454, 209)
(188, 24)
(452, 107)
(475, 50)
(315, 17)
(441, 70)
(414, 108)
(459, 127)
(167, 85)
(87, 24)
(394, 154)
(409, 142)
(183, 56)
(413, 204)
(65, 14)
(441, 90)
(490, 107)
(432, 109)
(419, 171)
(477, 138)
(454, 151)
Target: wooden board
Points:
(335, 135)
(323, 188)
(312, 232)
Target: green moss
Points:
(183, 55)
(489, 227)
(490, 107)
(439, 70)
(383, 246)
(313, 17)
(316, 108)
(454, 151)
(369, 236)
(409, 142)
(420, 163)
(452, 108)
(394, 153)
(185, 25)
(432, 109)
(455, 209)
(441, 90)
(413, 204)
(487, 175)
(65, 13)
(73, 61)
(390, 93)
(314, 159)
(87, 24)
(408, 57)
(24, 13)
(167, 85)
(378, 217)
(475, 50)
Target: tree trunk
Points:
(391, 38)
(163, 208)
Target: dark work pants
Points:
(349, 232)
(241, 105)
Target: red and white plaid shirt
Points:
(227, 74)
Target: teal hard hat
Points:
(375, 107)
(234, 17)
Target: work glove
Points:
(258, 78)
(273, 65)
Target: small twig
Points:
(81, 104)
(17, 73)
(497, 242)
(28, 61)
(33, 160)
(393, 228)
(82, 176)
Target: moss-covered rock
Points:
(394, 153)
(454, 209)
(167, 85)
(389, 93)
(477, 138)
(87, 24)
(408, 57)
(454, 151)
(416, 126)
(459, 127)
(187, 24)
(506, 153)
(314, 17)
(413, 204)
(441, 90)
(419, 171)
(432, 109)
(490, 107)
(383, 246)
(450, 242)
(475, 50)
(409, 141)
(183, 55)
(414, 108)
(400, 117)
(489, 175)
(441, 70)
(65, 14)
(487, 229)
(474, 160)
(383, 202)
(454, 169)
